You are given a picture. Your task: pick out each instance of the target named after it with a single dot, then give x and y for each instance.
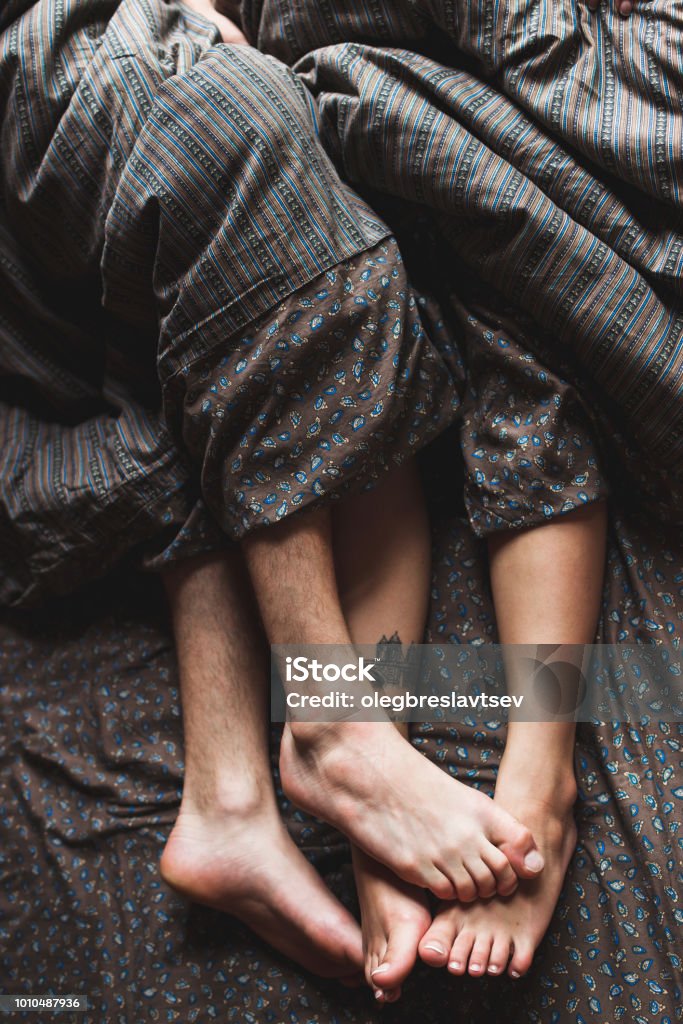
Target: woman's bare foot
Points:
(492, 935)
(246, 864)
(394, 917)
(404, 811)
(229, 30)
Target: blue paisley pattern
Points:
(92, 771)
(305, 379)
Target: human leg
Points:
(382, 555)
(547, 584)
(347, 772)
(228, 848)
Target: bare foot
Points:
(404, 811)
(394, 917)
(230, 32)
(247, 865)
(492, 935)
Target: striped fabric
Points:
(205, 329)
(88, 470)
(167, 206)
(555, 165)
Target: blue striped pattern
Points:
(168, 216)
(205, 329)
(556, 171)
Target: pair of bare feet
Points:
(498, 865)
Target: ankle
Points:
(323, 738)
(218, 799)
(551, 785)
(315, 737)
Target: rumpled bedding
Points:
(527, 160)
(92, 760)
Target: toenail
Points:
(493, 969)
(379, 970)
(514, 974)
(533, 861)
(435, 948)
(455, 965)
(475, 967)
(379, 994)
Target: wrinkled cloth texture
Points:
(206, 328)
(548, 142)
(91, 757)
(234, 285)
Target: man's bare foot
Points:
(394, 917)
(404, 811)
(246, 864)
(492, 935)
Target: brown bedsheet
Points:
(92, 760)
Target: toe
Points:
(479, 957)
(517, 843)
(483, 878)
(522, 957)
(374, 959)
(460, 952)
(437, 941)
(465, 885)
(441, 886)
(424, 873)
(506, 879)
(400, 955)
(499, 955)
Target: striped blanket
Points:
(547, 140)
(236, 283)
(203, 325)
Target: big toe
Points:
(436, 943)
(519, 846)
(401, 953)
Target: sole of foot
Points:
(250, 868)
